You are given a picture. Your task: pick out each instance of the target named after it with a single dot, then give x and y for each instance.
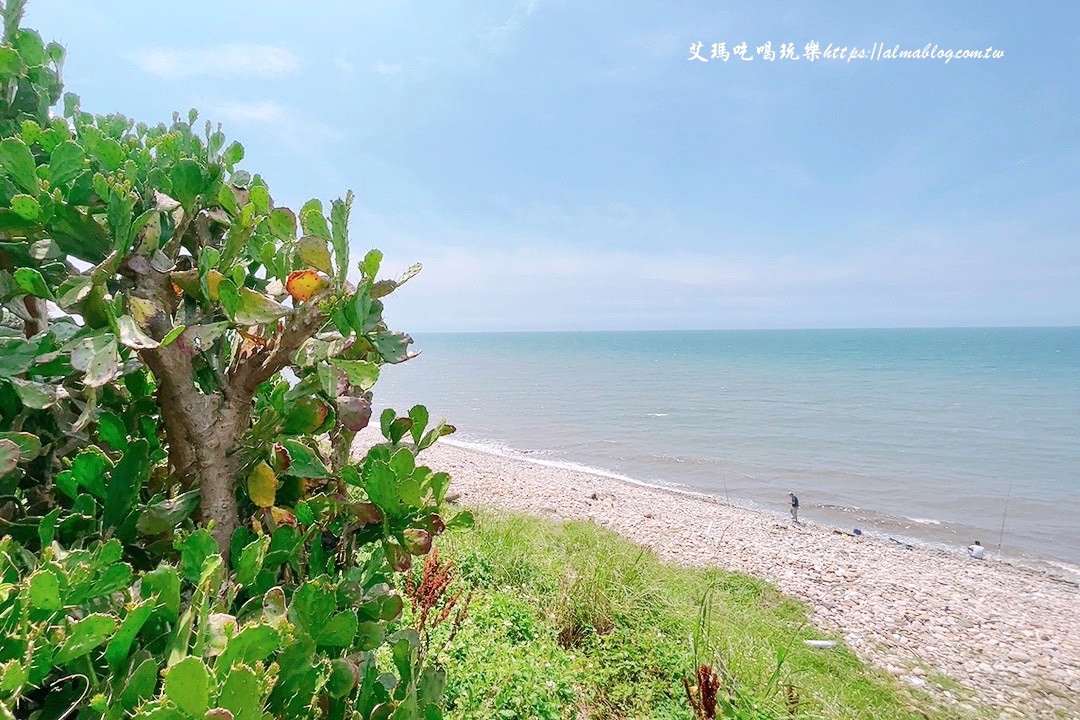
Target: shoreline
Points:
(1057, 568)
(972, 633)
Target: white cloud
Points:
(258, 112)
(344, 65)
(285, 123)
(386, 69)
(233, 60)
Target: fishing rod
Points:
(1005, 512)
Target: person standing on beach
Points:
(794, 507)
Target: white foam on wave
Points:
(656, 414)
(506, 451)
(502, 450)
(923, 521)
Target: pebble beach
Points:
(980, 635)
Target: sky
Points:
(561, 165)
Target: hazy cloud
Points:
(233, 60)
(285, 123)
(386, 69)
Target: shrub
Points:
(185, 534)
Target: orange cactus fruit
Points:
(302, 284)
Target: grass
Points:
(571, 621)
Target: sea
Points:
(940, 436)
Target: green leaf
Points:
(66, 163)
(241, 694)
(26, 207)
(17, 162)
(419, 416)
(112, 430)
(304, 514)
(393, 347)
(339, 631)
(430, 688)
(188, 182)
(463, 519)
(18, 354)
(435, 433)
(260, 198)
(29, 445)
(132, 336)
(202, 337)
(398, 428)
(13, 676)
(164, 582)
(312, 605)
(47, 526)
(36, 395)
(120, 646)
(126, 482)
(140, 685)
(108, 152)
(313, 221)
(439, 483)
(361, 373)
(89, 469)
(118, 216)
(305, 463)
(250, 562)
(31, 282)
(73, 291)
(251, 645)
(194, 551)
(9, 457)
(312, 251)
(45, 591)
(10, 63)
(97, 358)
(403, 462)
(382, 488)
(282, 224)
(253, 308)
(369, 267)
(370, 635)
(339, 220)
(161, 517)
(343, 678)
(171, 336)
(188, 684)
(85, 635)
(233, 154)
(386, 419)
(29, 45)
(306, 416)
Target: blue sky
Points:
(563, 165)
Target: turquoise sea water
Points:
(935, 434)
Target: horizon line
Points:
(739, 329)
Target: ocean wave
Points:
(501, 450)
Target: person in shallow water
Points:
(977, 550)
(794, 507)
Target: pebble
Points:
(1008, 635)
